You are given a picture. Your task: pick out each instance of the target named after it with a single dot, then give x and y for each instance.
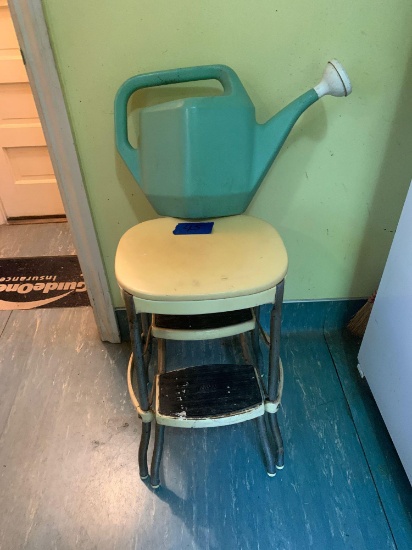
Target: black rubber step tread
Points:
(208, 391)
(205, 321)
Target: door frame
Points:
(31, 29)
(3, 218)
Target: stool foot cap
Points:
(271, 475)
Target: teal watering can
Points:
(205, 157)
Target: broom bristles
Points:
(357, 325)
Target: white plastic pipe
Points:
(335, 81)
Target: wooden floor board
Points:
(29, 240)
(69, 441)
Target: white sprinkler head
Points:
(335, 81)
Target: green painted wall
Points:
(336, 190)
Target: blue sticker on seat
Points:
(193, 228)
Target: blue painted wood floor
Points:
(69, 439)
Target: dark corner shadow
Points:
(390, 192)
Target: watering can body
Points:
(206, 156)
(196, 156)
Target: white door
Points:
(385, 356)
(27, 183)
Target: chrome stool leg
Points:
(157, 456)
(144, 444)
(135, 327)
(267, 449)
(146, 340)
(145, 324)
(256, 338)
(274, 427)
(274, 371)
(264, 428)
(270, 457)
(159, 429)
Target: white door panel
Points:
(28, 186)
(17, 104)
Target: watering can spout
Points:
(270, 136)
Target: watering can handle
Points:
(225, 75)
